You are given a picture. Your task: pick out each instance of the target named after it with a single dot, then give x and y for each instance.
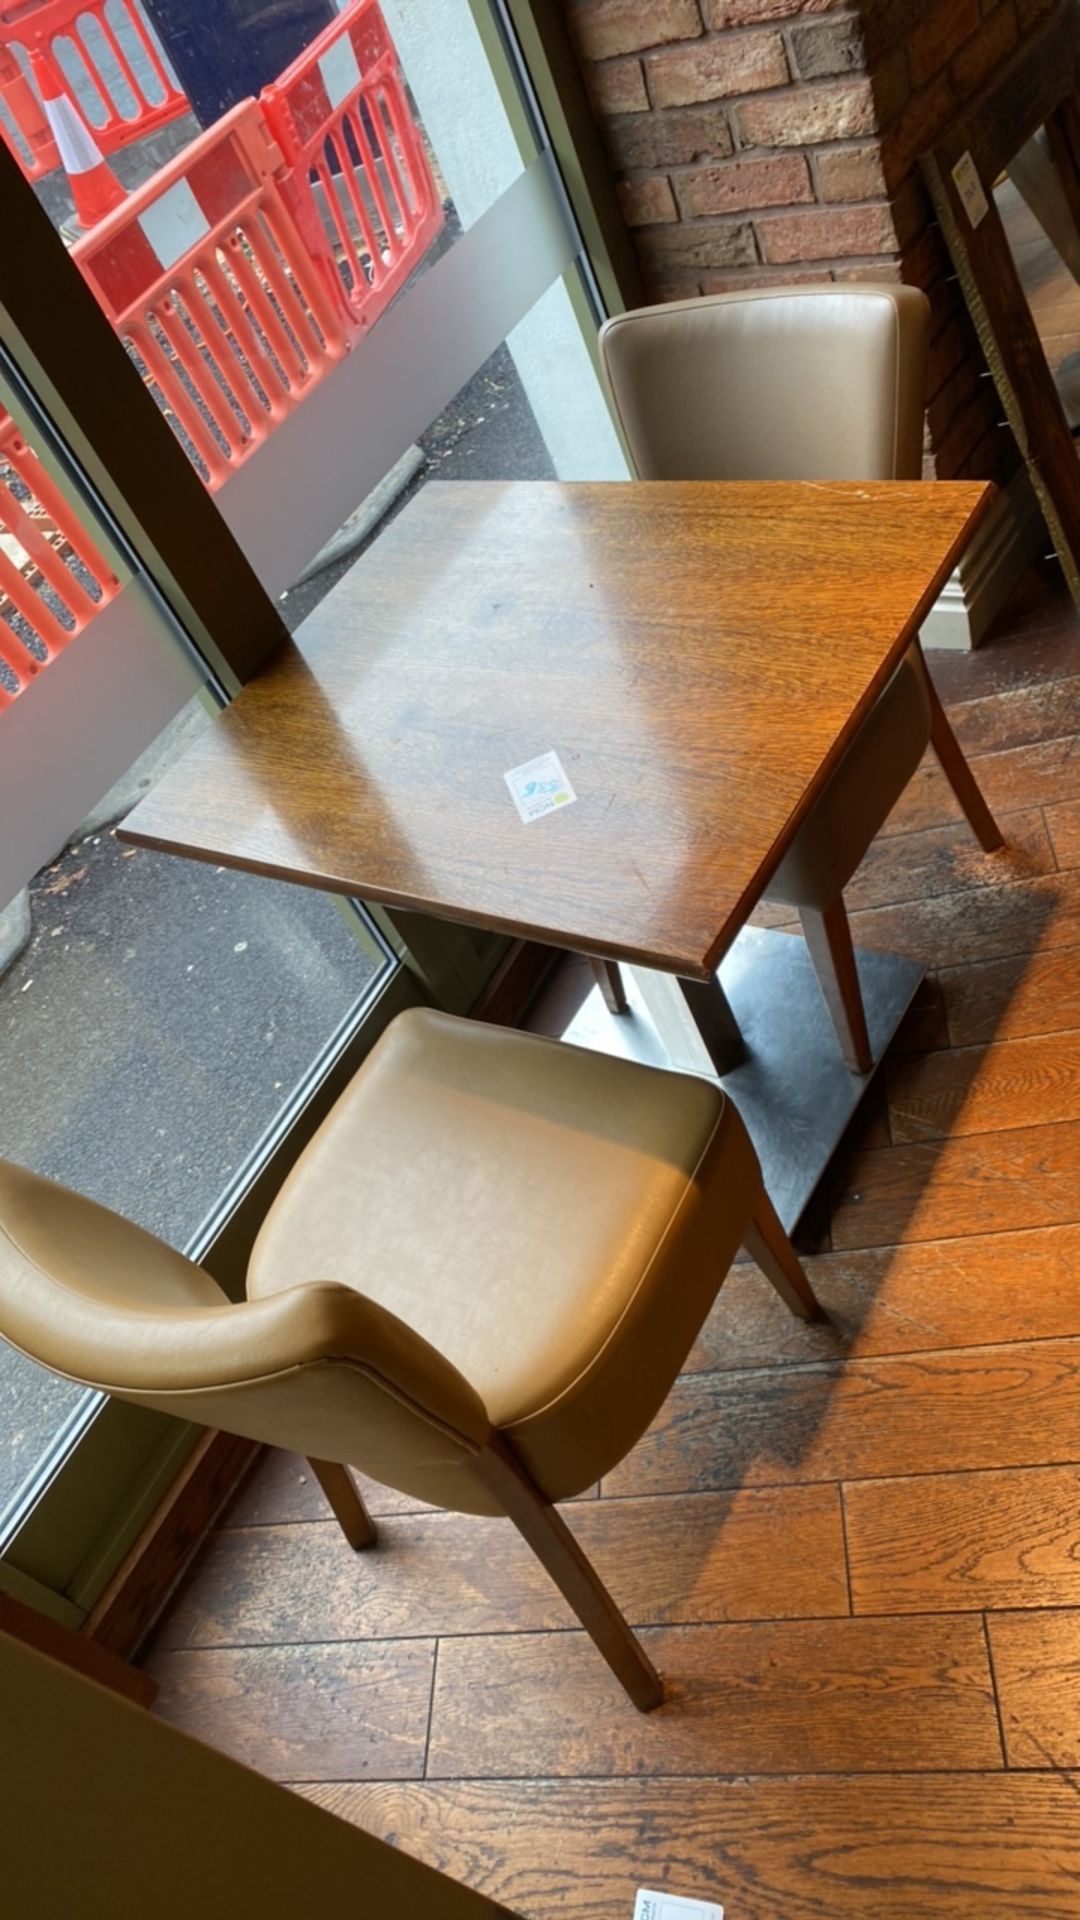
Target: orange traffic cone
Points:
(94, 187)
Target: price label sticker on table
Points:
(540, 786)
(673, 1906)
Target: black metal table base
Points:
(790, 1085)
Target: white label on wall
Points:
(970, 188)
(540, 786)
(174, 224)
(672, 1906)
(340, 70)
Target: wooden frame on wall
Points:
(1040, 87)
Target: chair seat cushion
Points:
(554, 1222)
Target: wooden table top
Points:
(697, 654)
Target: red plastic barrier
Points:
(86, 37)
(45, 599)
(206, 278)
(357, 178)
(23, 125)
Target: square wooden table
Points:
(698, 655)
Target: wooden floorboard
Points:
(704, 1558)
(986, 923)
(946, 859)
(344, 1712)
(904, 1847)
(1028, 993)
(1005, 1406)
(965, 1541)
(945, 1189)
(1063, 827)
(1019, 716)
(1037, 1661)
(852, 1547)
(1013, 1083)
(821, 1696)
(986, 1290)
(1036, 639)
(284, 1489)
(1012, 780)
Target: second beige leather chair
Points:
(813, 383)
(478, 1285)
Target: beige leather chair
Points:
(813, 383)
(477, 1285)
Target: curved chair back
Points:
(316, 1368)
(807, 383)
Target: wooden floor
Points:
(853, 1549)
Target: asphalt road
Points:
(163, 1009)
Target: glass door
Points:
(167, 1031)
(342, 265)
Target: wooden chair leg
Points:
(770, 1248)
(608, 977)
(350, 1512)
(957, 772)
(546, 1532)
(828, 937)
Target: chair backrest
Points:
(317, 1368)
(805, 383)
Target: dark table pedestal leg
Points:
(764, 1032)
(712, 1015)
(693, 1020)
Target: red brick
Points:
(911, 211)
(715, 70)
(883, 273)
(894, 23)
(690, 245)
(992, 44)
(646, 203)
(779, 181)
(779, 277)
(754, 13)
(968, 430)
(827, 233)
(849, 173)
(956, 342)
(929, 112)
(672, 289)
(628, 26)
(997, 457)
(926, 265)
(945, 297)
(618, 86)
(832, 110)
(824, 47)
(669, 139)
(933, 44)
(1030, 12)
(892, 85)
(943, 408)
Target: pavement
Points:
(163, 1009)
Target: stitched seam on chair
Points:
(615, 400)
(224, 1386)
(227, 1386)
(54, 1280)
(366, 1372)
(537, 1413)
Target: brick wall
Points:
(765, 142)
